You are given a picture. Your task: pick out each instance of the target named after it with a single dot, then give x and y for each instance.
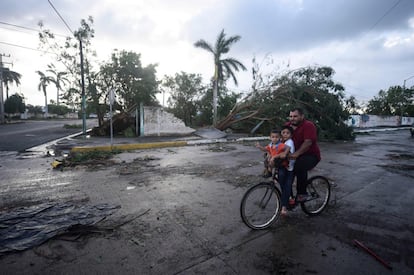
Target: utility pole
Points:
(2, 121)
(83, 106)
(1, 91)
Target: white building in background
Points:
(370, 121)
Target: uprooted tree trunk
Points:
(120, 122)
(240, 112)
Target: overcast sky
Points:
(369, 43)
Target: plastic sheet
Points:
(24, 228)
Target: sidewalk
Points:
(80, 143)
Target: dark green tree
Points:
(311, 88)
(10, 77)
(224, 68)
(57, 78)
(132, 82)
(44, 81)
(59, 110)
(185, 90)
(36, 110)
(396, 101)
(14, 104)
(226, 102)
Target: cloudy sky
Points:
(369, 43)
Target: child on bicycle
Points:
(285, 172)
(272, 153)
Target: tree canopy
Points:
(396, 101)
(132, 82)
(311, 88)
(14, 104)
(224, 68)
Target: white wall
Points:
(368, 121)
(158, 122)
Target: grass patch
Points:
(92, 160)
(92, 156)
(72, 126)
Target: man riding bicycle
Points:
(307, 154)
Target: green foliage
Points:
(10, 77)
(73, 126)
(312, 89)
(224, 68)
(58, 109)
(58, 78)
(14, 104)
(133, 83)
(129, 132)
(78, 158)
(226, 101)
(396, 101)
(68, 54)
(184, 90)
(36, 110)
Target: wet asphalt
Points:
(180, 211)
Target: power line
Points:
(385, 14)
(25, 28)
(66, 24)
(24, 47)
(17, 26)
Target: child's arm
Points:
(285, 152)
(264, 149)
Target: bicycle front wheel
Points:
(260, 205)
(320, 191)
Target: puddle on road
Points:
(400, 156)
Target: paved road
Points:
(21, 136)
(180, 212)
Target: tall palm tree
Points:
(223, 68)
(58, 78)
(10, 77)
(44, 81)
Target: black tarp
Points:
(28, 227)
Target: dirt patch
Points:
(220, 147)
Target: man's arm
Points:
(303, 148)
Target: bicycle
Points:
(261, 204)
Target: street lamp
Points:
(406, 80)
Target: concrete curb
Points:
(126, 147)
(163, 144)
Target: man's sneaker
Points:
(302, 197)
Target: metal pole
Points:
(83, 89)
(112, 129)
(215, 93)
(141, 119)
(1, 92)
(111, 101)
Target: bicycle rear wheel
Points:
(260, 205)
(320, 191)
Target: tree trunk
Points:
(46, 109)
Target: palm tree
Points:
(223, 68)
(58, 78)
(44, 81)
(10, 77)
